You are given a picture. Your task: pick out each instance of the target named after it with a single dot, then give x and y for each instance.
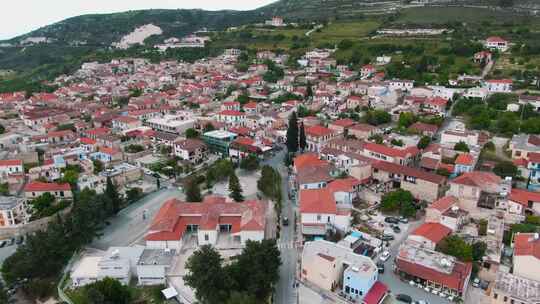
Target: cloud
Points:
(22, 16)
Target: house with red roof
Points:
(498, 85)
(465, 162)
(475, 188)
(397, 155)
(192, 150)
(251, 108)
(482, 57)
(178, 222)
(318, 136)
(230, 105)
(422, 185)
(61, 191)
(428, 235)
(123, 123)
(526, 259)
(496, 43)
(107, 155)
(10, 166)
(242, 147)
(429, 269)
(424, 129)
(434, 105)
(523, 202)
(367, 71)
(445, 211)
(363, 130)
(341, 125)
(232, 117)
(319, 212)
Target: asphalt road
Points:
(285, 292)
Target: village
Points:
(375, 189)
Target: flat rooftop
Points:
(437, 261)
(156, 257)
(221, 134)
(8, 202)
(333, 251)
(518, 287)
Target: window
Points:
(505, 299)
(206, 237)
(328, 219)
(318, 217)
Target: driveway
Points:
(128, 226)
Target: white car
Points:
(384, 256)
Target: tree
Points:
(191, 133)
(98, 166)
(292, 134)
(250, 163)
(107, 290)
(241, 298)
(302, 137)
(206, 275)
(70, 176)
(399, 200)
(219, 171)
(112, 195)
(461, 146)
(235, 189)
(406, 119)
(443, 172)
(377, 117)
(208, 127)
(478, 250)
(133, 194)
(192, 190)
(257, 268)
(423, 142)
(457, 247)
(309, 90)
(2, 129)
(505, 168)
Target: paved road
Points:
(128, 226)
(285, 293)
(393, 281)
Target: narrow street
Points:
(285, 292)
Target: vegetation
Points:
(377, 117)
(191, 133)
(134, 148)
(423, 142)
(46, 205)
(108, 290)
(252, 274)
(457, 247)
(505, 168)
(219, 171)
(192, 190)
(98, 166)
(270, 185)
(461, 146)
(292, 134)
(235, 189)
(112, 196)
(401, 201)
(250, 163)
(302, 138)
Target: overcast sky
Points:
(22, 16)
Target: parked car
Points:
(380, 267)
(396, 229)
(387, 237)
(285, 221)
(3, 244)
(384, 256)
(476, 282)
(11, 241)
(20, 240)
(391, 220)
(403, 220)
(404, 298)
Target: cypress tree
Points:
(302, 138)
(111, 192)
(235, 189)
(292, 134)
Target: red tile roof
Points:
(11, 162)
(464, 159)
(444, 203)
(172, 219)
(231, 113)
(319, 201)
(437, 101)
(496, 39)
(375, 294)
(534, 157)
(343, 184)
(424, 127)
(318, 131)
(307, 159)
(477, 179)
(509, 81)
(346, 122)
(389, 151)
(434, 232)
(526, 244)
(87, 141)
(40, 186)
(523, 197)
(399, 169)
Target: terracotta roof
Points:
(534, 157)
(438, 101)
(500, 81)
(363, 127)
(307, 159)
(190, 144)
(375, 293)
(429, 163)
(231, 113)
(319, 201)
(40, 186)
(173, 217)
(346, 122)
(434, 232)
(523, 197)
(318, 131)
(10, 162)
(424, 127)
(444, 203)
(464, 159)
(343, 184)
(87, 141)
(526, 244)
(477, 179)
(399, 169)
(389, 151)
(496, 39)
(534, 140)
(250, 105)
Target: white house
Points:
(498, 85)
(496, 43)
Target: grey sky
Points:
(22, 16)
